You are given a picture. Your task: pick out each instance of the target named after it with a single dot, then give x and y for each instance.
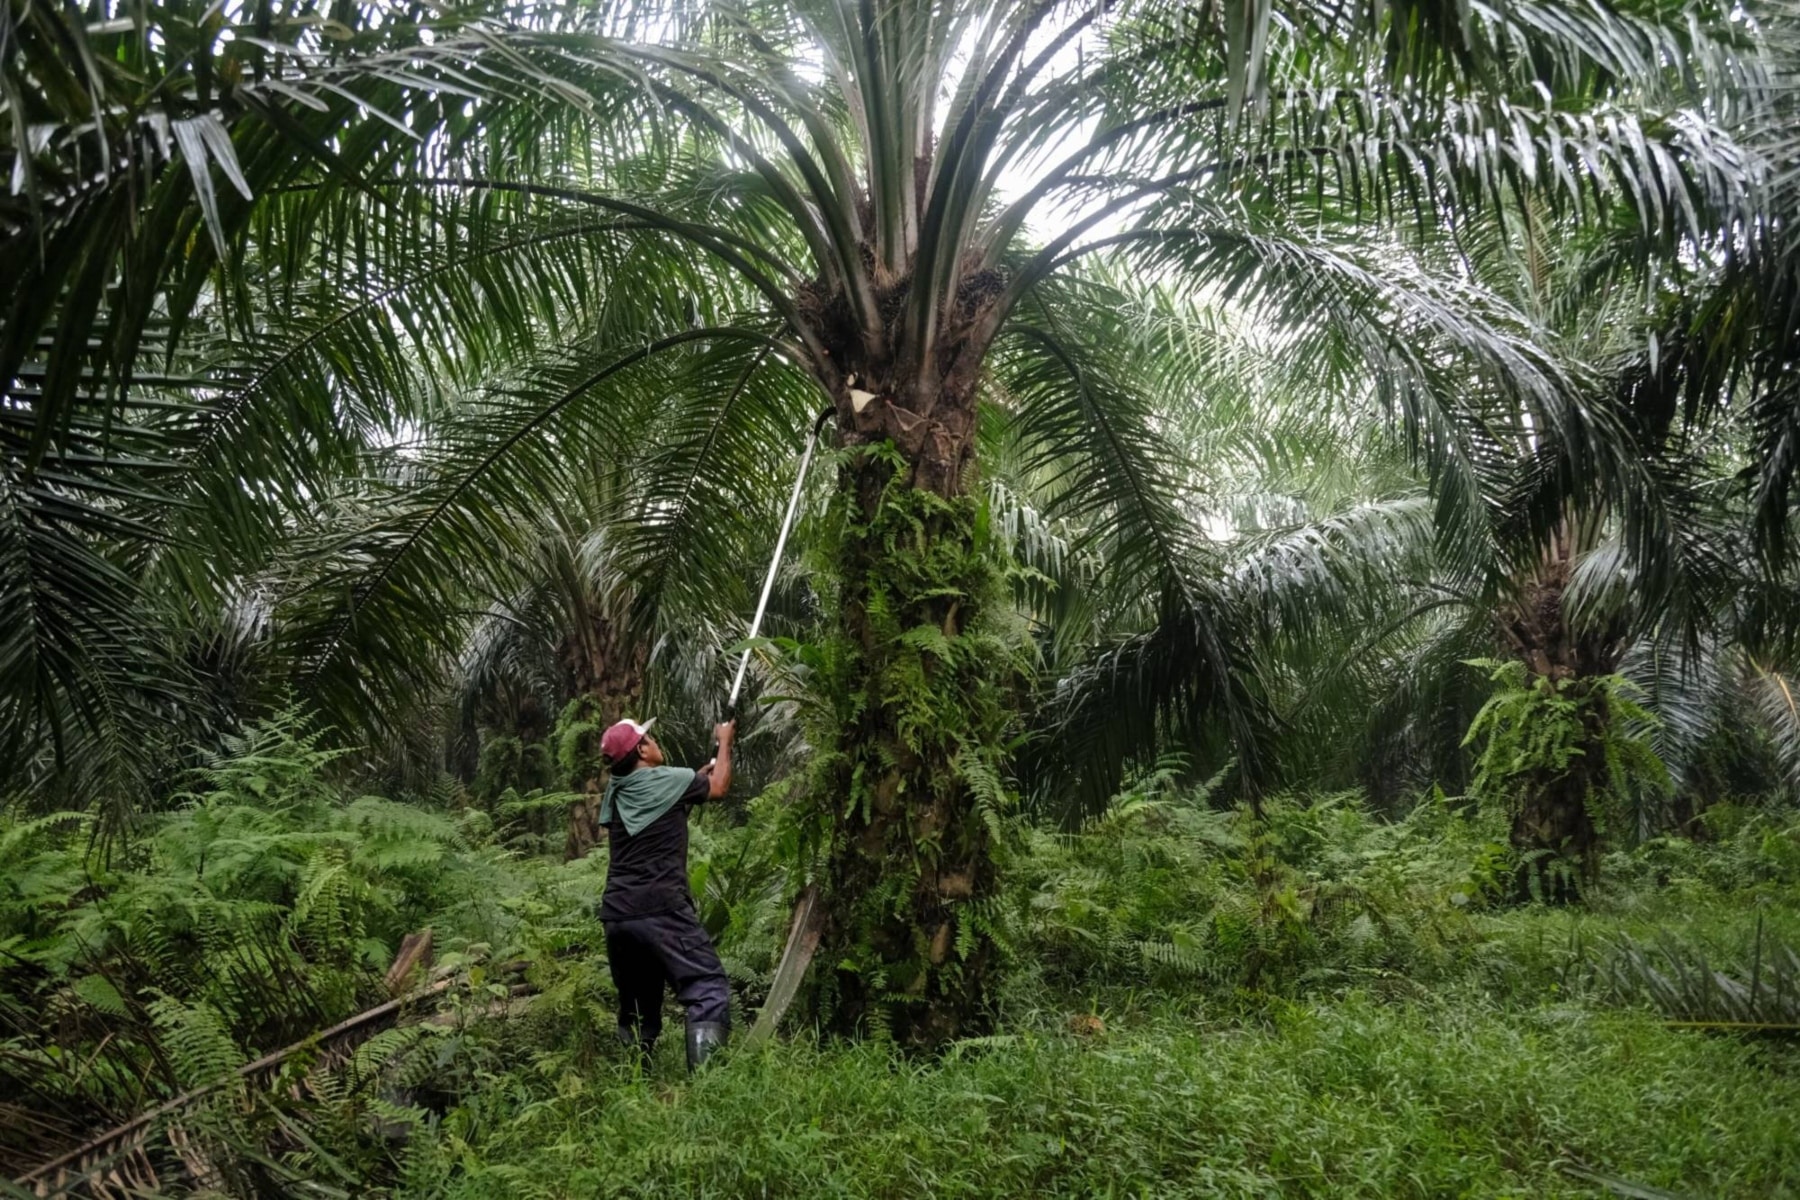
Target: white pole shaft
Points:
(762, 602)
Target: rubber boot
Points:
(637, 1049)
(703, 1037)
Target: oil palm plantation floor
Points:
(1429, 1096)
(1309, 1001)
(1402, 1039)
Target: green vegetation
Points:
(1313, 1001)
(1555, 747)
(909, 768)
(1283, 682)
(1351, 1098)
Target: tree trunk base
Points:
(1557, 844)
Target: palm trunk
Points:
(1553, 833)
(918, 681)
(1553, 830)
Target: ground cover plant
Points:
(1348, 1098)
(1282, 680)
(1451, 1048)
(1312, 1000)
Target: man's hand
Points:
(720, 768)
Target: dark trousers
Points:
(645, 953)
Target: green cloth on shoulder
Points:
(644, 795)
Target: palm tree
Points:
(1363, 609)
(710, 219)
(1580, 574)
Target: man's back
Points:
(647, 871)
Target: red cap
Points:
(622, 737)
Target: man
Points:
(653, 936)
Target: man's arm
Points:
(720, 768)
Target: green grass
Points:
(1398, 1041)
(1347, 1098)
(1317, 1003)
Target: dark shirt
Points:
(647, 873)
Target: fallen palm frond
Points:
(1618, 1187)
(124, 1160)
(1681, 981)
(796, 957)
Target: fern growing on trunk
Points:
(1571, 760)
(920, 712)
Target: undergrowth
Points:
(1310, 1000)
(1353, 1098)
(264, 906)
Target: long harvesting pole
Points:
(787, 524)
